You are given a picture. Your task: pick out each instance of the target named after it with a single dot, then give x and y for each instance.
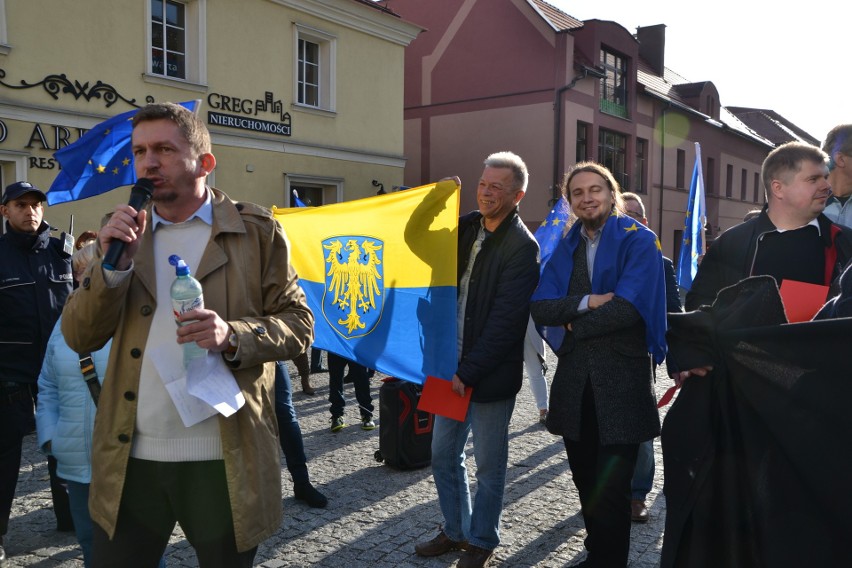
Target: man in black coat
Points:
(643, 473)
(739, 385)
(35, 280)
(790, 239)
(604, 289)
(498, 270)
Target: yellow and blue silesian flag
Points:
(380, 276)
(100, 161)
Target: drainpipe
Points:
(662, 168)
(557, 126)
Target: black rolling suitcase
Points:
(405, 433)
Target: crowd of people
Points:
(604, 302)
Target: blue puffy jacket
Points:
(65, 414)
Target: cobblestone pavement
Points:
(375, 514)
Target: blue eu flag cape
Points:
(380, 277)
(629, 263)
(100, 161)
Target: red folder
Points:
(438, 397)
(802, 300)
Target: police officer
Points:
(35, 280)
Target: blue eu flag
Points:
(551, 230)
(101, 160)
(693, 245)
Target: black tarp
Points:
(758, 468)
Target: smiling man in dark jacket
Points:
(497, 271)
(791, 239)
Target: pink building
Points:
(521, 75)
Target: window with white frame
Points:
(315, 68)
(177, 40)
(4, 37)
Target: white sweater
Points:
(160, 434)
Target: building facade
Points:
(521, 75)
(297, 94)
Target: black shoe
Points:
(439, 545)
(308, 493)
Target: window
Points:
(4, 36)
(743, 185)
(315, 68)
(729, 181)
(13, 167)
(308, 73)
(756, 187)
(680, 180)
(710, 176)
(614, 85)
(313, 190)
(640, 167)
(177, 40)
(168, 38)
(582, 142)
(612, 152)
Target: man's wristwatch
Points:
(233, 343)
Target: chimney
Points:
(652, 46)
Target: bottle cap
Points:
(181, 269)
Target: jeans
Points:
(358, 373)
(478, 524)
(289, 432)
(78, 495)
(643, 473)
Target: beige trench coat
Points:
(247, 279)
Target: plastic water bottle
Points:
(186, 295)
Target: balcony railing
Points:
(612, 108)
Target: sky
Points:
(795, 62)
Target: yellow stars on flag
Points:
(554, 223)
(102, 169)
(632, 227)
(659, 246)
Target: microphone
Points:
(139, 197)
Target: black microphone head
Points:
(141, 193)
(144, 184)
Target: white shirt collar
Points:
(813, 222)
(204, 213)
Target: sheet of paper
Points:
(802, 300)
(209, 379)
(438, 398)
(169, 363)
(207, 388)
